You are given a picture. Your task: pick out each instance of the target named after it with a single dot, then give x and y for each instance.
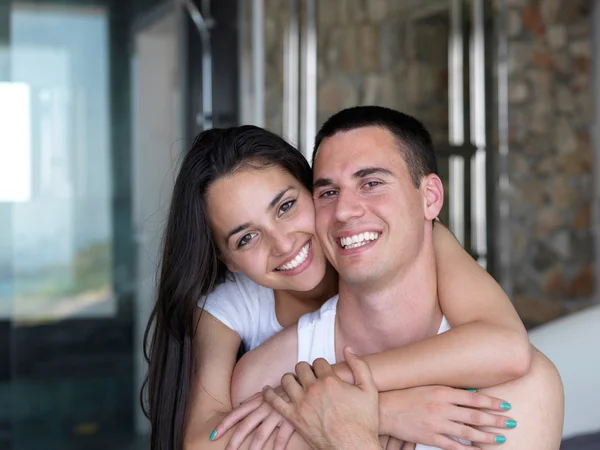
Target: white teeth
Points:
(299, 259)
(358, 240)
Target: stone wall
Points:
(551, 156)
(394, 53)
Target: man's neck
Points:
(396, 312)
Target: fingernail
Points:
(500, 439)
(350, 350)
(471, 389)
(511, 424)
(213, 435)
(505, 406)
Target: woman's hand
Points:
(254, 414)
(429, 414)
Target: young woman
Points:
(225, 220)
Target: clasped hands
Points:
(330, 413)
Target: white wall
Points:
(157, 150)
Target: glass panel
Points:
(61, 203)
(70, 309)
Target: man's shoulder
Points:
(266, 364)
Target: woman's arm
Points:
(487, 345)
(215, 349)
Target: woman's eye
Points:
(285, 207)
(245, 239)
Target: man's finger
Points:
(393, 444)
(291, 387)
(305, 374)
(360, 370)
(322, 368)
(277, 403)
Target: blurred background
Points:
(100, 98)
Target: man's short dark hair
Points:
(414, 141)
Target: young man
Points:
(376, 197)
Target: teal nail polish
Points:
(471, 389)
(500, 439)
(505, 406)
(511, 424)
(213, 435)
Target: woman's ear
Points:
(433, 191)
(230, 265)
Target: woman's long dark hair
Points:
(190, 266)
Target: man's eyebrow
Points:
(361, 173)
(277, 198)
(320, 182)
(236, 230)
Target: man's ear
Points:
(433, 196)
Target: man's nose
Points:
(348, 206)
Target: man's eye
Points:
(326, 194)
(245, 239)
(285, 207)
(372, 183)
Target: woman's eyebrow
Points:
(277, 198)
(236, 230)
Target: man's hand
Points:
(328, 412)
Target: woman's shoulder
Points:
(237, 288)
(241, 305)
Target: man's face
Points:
(370, 217)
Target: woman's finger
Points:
(283, 435)
(258, 394)
(248, 425)
(476, 400)
(264, 431)
(480, 418)
(468, 433)
(239, 413)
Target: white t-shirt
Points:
(246, 308)
(316, 339)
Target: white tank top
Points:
(316, 339)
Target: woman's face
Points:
(264, 226)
